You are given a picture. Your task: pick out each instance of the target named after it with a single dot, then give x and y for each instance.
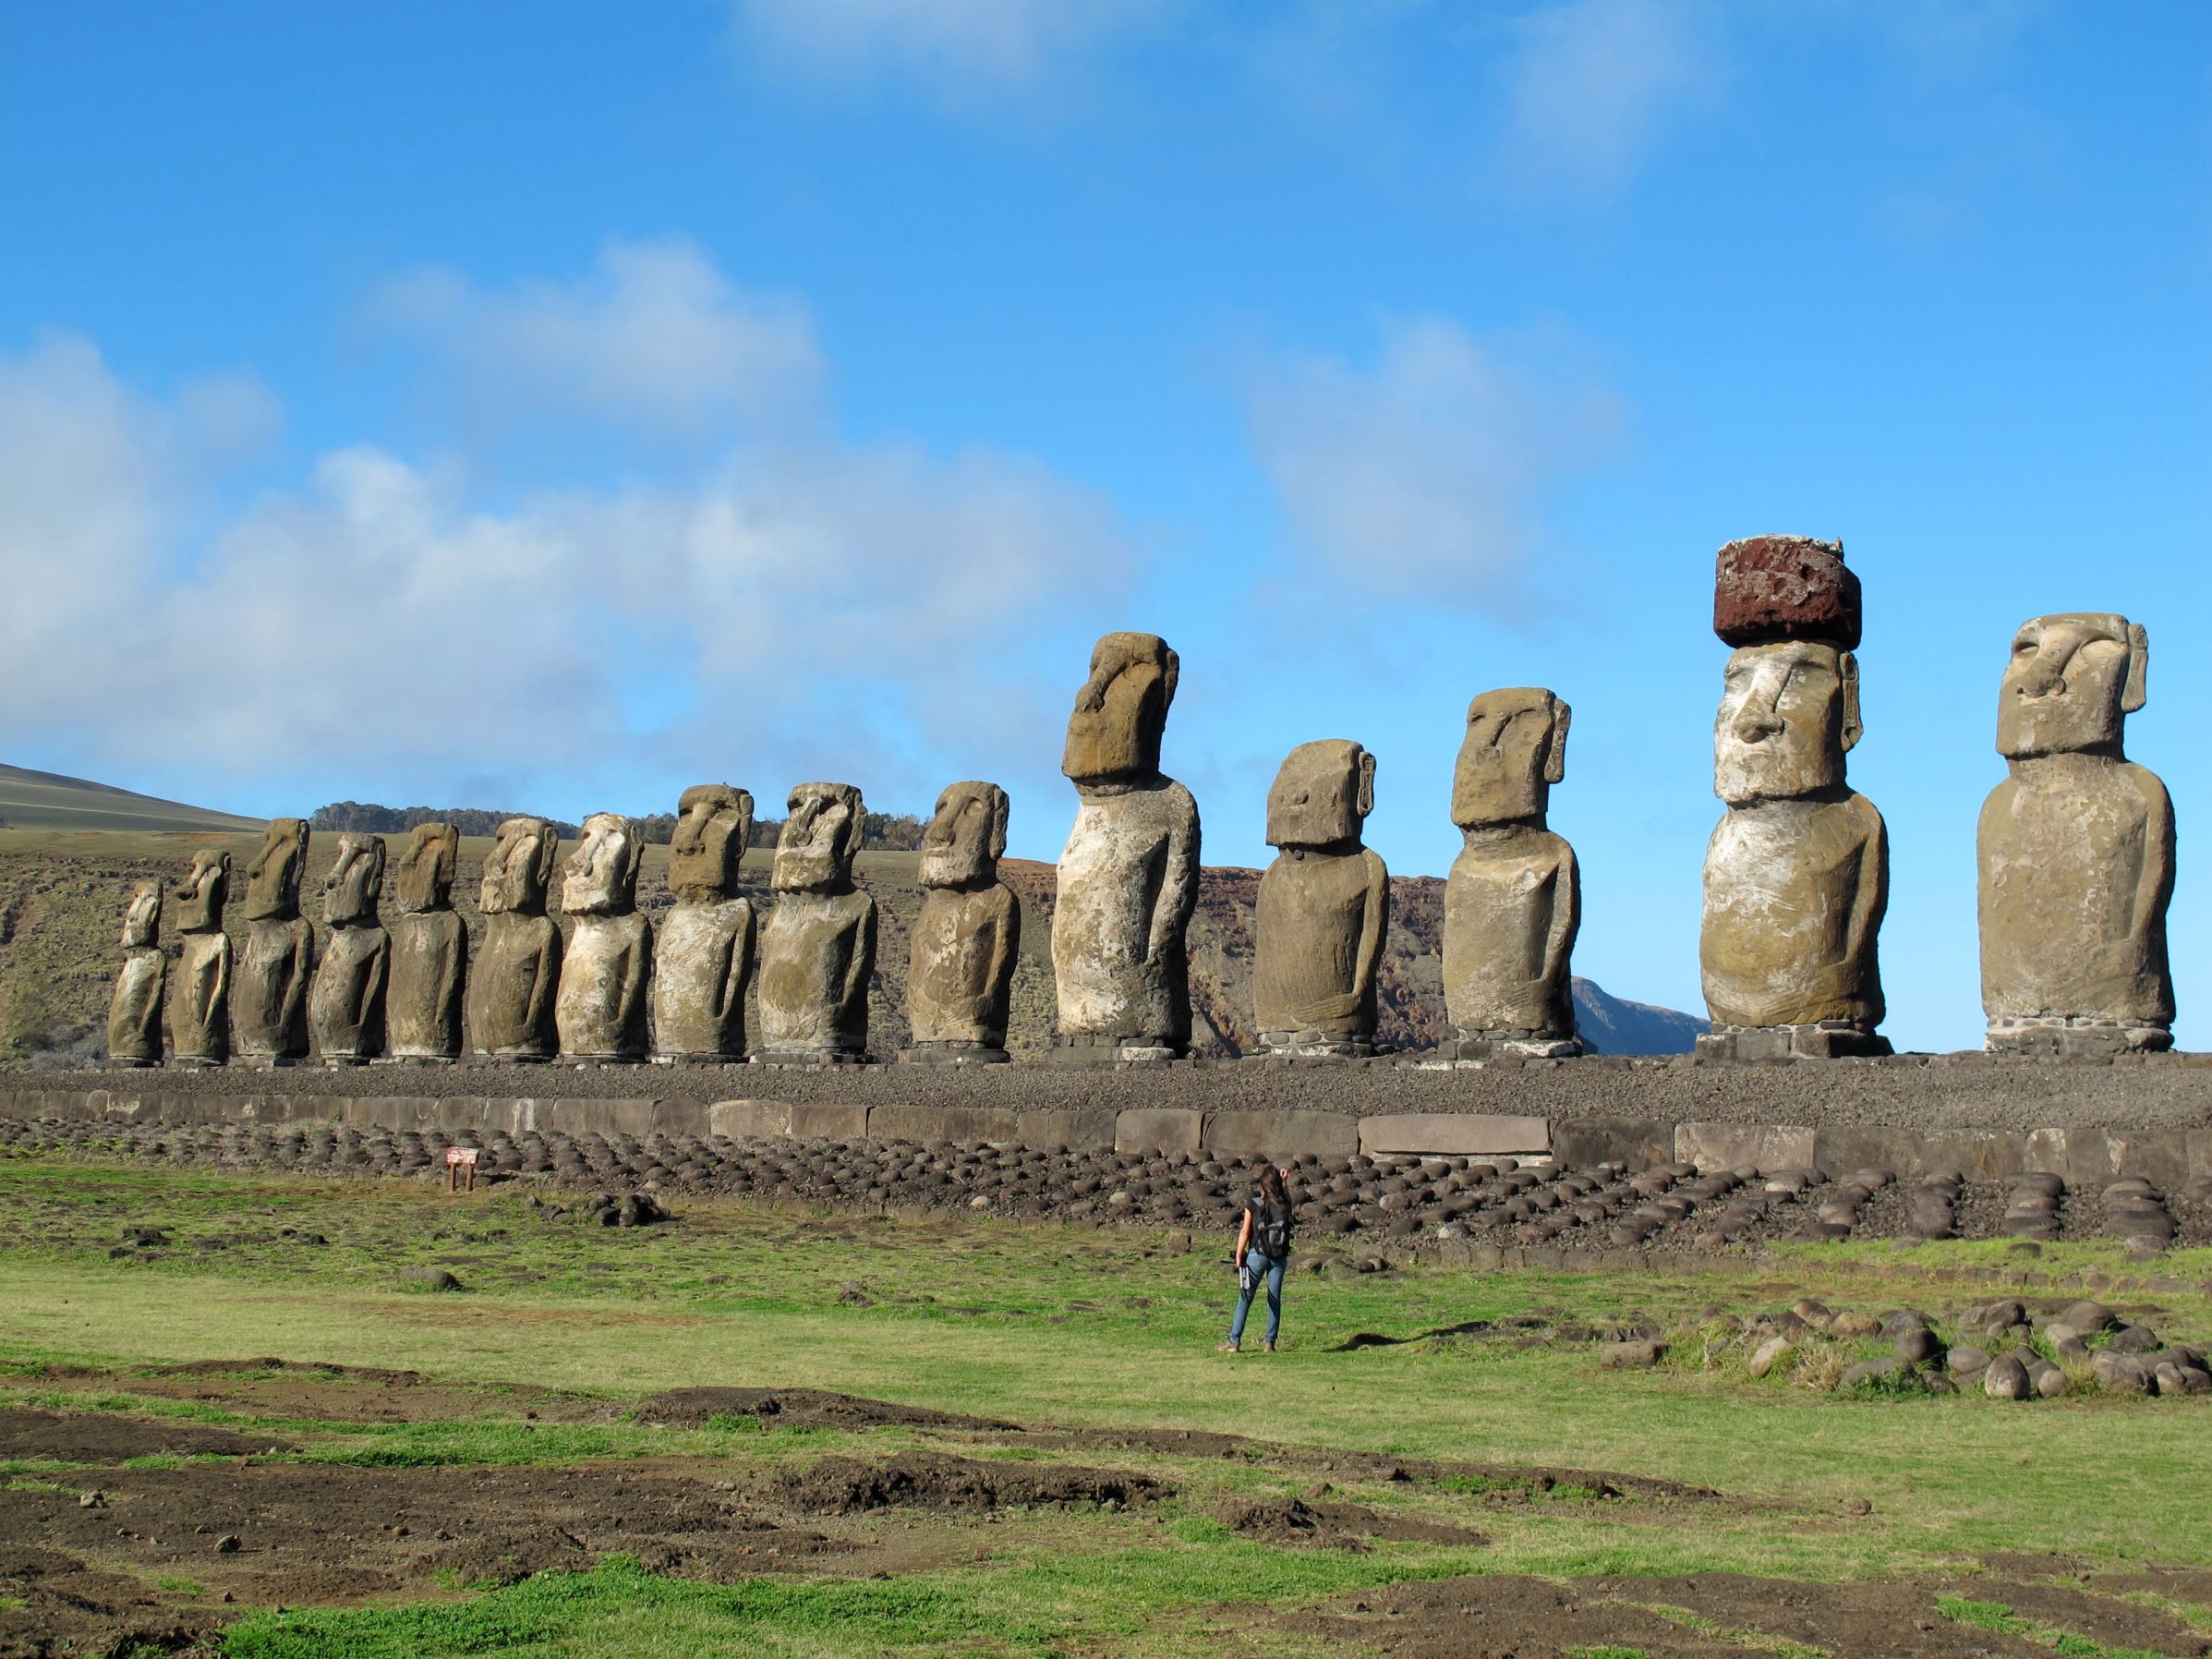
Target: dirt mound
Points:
(795, 1408)
(924, 1480)
(53, 1603)
(109, 1437)
(1293, 1521)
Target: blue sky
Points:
(554, 406)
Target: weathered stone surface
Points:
(930, 1124)
(1774, 587)
(1729, 1145)
(345, 1009)
(1796, 875)
(269, 997)
(968, 935)
(1281, 1135)
(2075, 848)
(516, 974)
(1456, 1135)
(599, 1010)
(818, 946)
(703, 949)
(1158, 1128)
(134, 1013)
(1513, 902)
(199, 994)
(1324, 906)
(429, 972)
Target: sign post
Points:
(460, 1166)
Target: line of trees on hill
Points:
(879, 831)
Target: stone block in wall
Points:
(1454, 1134)
(75, 1104)
(2197, 1149)
(1725, 1145)
(755, 1119)
(1158, 1128)
(406, 1111)
(1639, 1143)
(1078, 1129)
(2160, 1156)
(592, 1117)
(1853, 1146)
(1280, 1135)
(902, 1122)
(1986, 1154)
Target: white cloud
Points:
(1421, 476)
(654, 335)
(948, 45)
(1593, 84)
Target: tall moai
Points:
(1513, 902)
(969, 933)
(1798, 872)
(818, 948)
(428, 977)
(517, 973)
(345, 1010)
(1128, 878)
(1324, 908)
(2075, 848)
(608, 967)
(702, 950)
(198, 997)
(269, 1014)
(134, 1013)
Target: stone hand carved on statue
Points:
(427, 981)
(600, 1008)
(199, 994)
(345, 1009)
(703, 949)
(967, 935)
(1323, 907)
(516, 975)
(134, 1014)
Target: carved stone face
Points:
(2072, 682)
(142, 917)
(1122, 710)
(713, 824)
(962, 845)
(1513, 751)
(200, 895)
(1321, 795)
(350, 892)
(1789, 712)
(520, 867)
(821, 833)
(273, 879)
(425, 868)
(600, 877)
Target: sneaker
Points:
(1229, 1347)
(1267, 1346)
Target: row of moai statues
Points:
(2075, 853)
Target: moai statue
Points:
(269, 1021)
(969, 933)
(1128, 878)
(817, 949)
(429, 951)
(702, 953)
(1324, 909)
(2076, 850)
(600, 1011)
(199, 998)
(1513, 902)
(345, 1009)
(134, 1014)
(1797, 873)
(516, 974)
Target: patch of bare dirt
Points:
(1294, 1520)
(926, 1480)
(108, 1437)
(797, 1408)
(68, 1608)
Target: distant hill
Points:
(1610, 1024)
(32, 800)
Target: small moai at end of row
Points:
(1797, 874)
(2075, 850)
(345, 1009)
(968, 935)
(269, 998)
(1323, 908)
(607, 968)
(817, 949)
(515, 978)
(427, 980)
(198, 997)
(134, 1014)
(1513, 902)
(1129, 876)
(703, 952)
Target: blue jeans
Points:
(1272, 1273)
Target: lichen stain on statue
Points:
(1797, 874)
(703, 949)
(2075, 849)
(345, 1010)
(1324, 908)
(818, 948)
(516, 974)
(134, 1014)
(429, 974)
(1128, 878)
(269, 1000)
(1513, 902)
(198, 997)
(607, 970)
(967, 935)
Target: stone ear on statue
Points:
(1555, 762)
(1366, 803)
(1001, 806)
(1853, 727)
(2137, 692)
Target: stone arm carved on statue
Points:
(1374, 929)
(1566, 918)
(1179, 891)
(208, 985)
(2154, 885)
(453, 969)
(545, 980)
(369, 992)
(637, 968)
(294, 1012)
(1005, 944)
(730, 989)
(1848, 981)
(861, 964)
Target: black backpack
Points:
(1271, 1230)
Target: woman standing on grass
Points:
(1262, 1252)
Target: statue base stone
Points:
(1827, 1039)
(698, 1062)
(197, 1062)
(1312, 1045)
(954, 1054)
(588, 1062)
(415, 1059)
(267, 1062)
(1515, 1045)
(812, 1057)
(1096, 1048)
(2062, 1037)
(340, 1062)
(130, 1062)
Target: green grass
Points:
(1999, 1619)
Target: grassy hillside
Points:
(32, 800)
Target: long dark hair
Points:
(1272, 1193)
